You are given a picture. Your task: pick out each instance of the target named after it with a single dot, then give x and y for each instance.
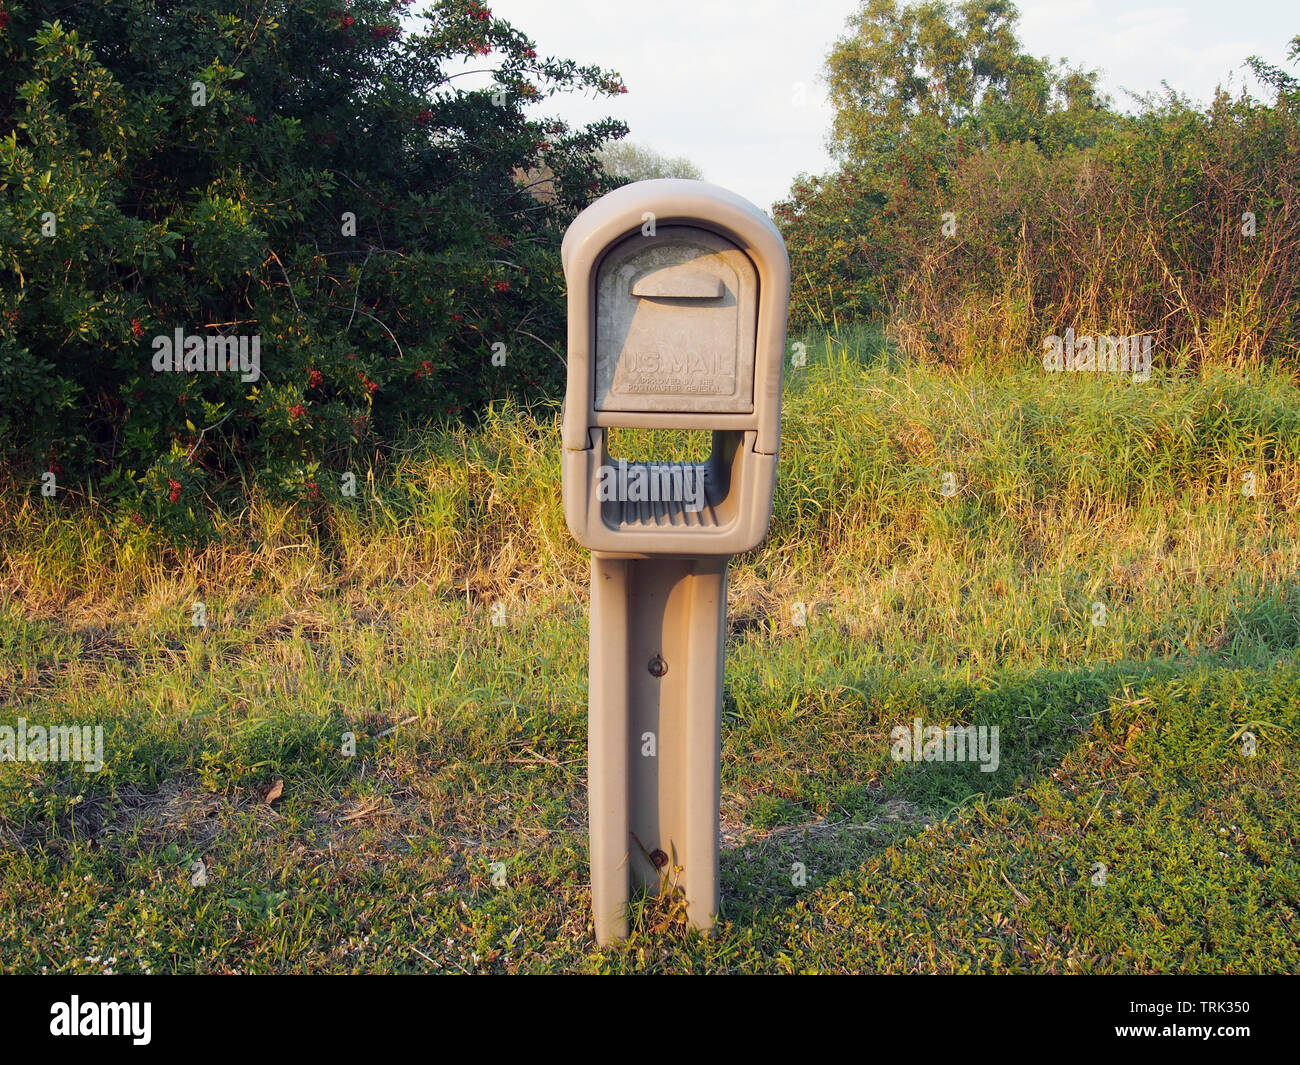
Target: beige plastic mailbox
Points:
(677, 307)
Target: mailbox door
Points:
(676, 317)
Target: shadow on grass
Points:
(1040, 717)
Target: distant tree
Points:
(636, 162)
(914, 75)
(986, 199)
(919, 92)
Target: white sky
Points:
(737, 85)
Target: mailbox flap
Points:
(676, 315)
(681, 283)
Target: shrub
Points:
(987, 201)
(1174, 227)
(305, 173)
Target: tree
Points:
(914, 75)
(636, 162)
(919, 92)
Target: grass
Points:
(1121, 744)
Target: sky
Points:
(737, 86)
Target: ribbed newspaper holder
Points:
(677, 298)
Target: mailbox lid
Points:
(676, 320)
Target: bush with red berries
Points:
(311, 173)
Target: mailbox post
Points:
(677, 298)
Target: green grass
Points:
(1120, 743)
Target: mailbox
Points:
(677, 299)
